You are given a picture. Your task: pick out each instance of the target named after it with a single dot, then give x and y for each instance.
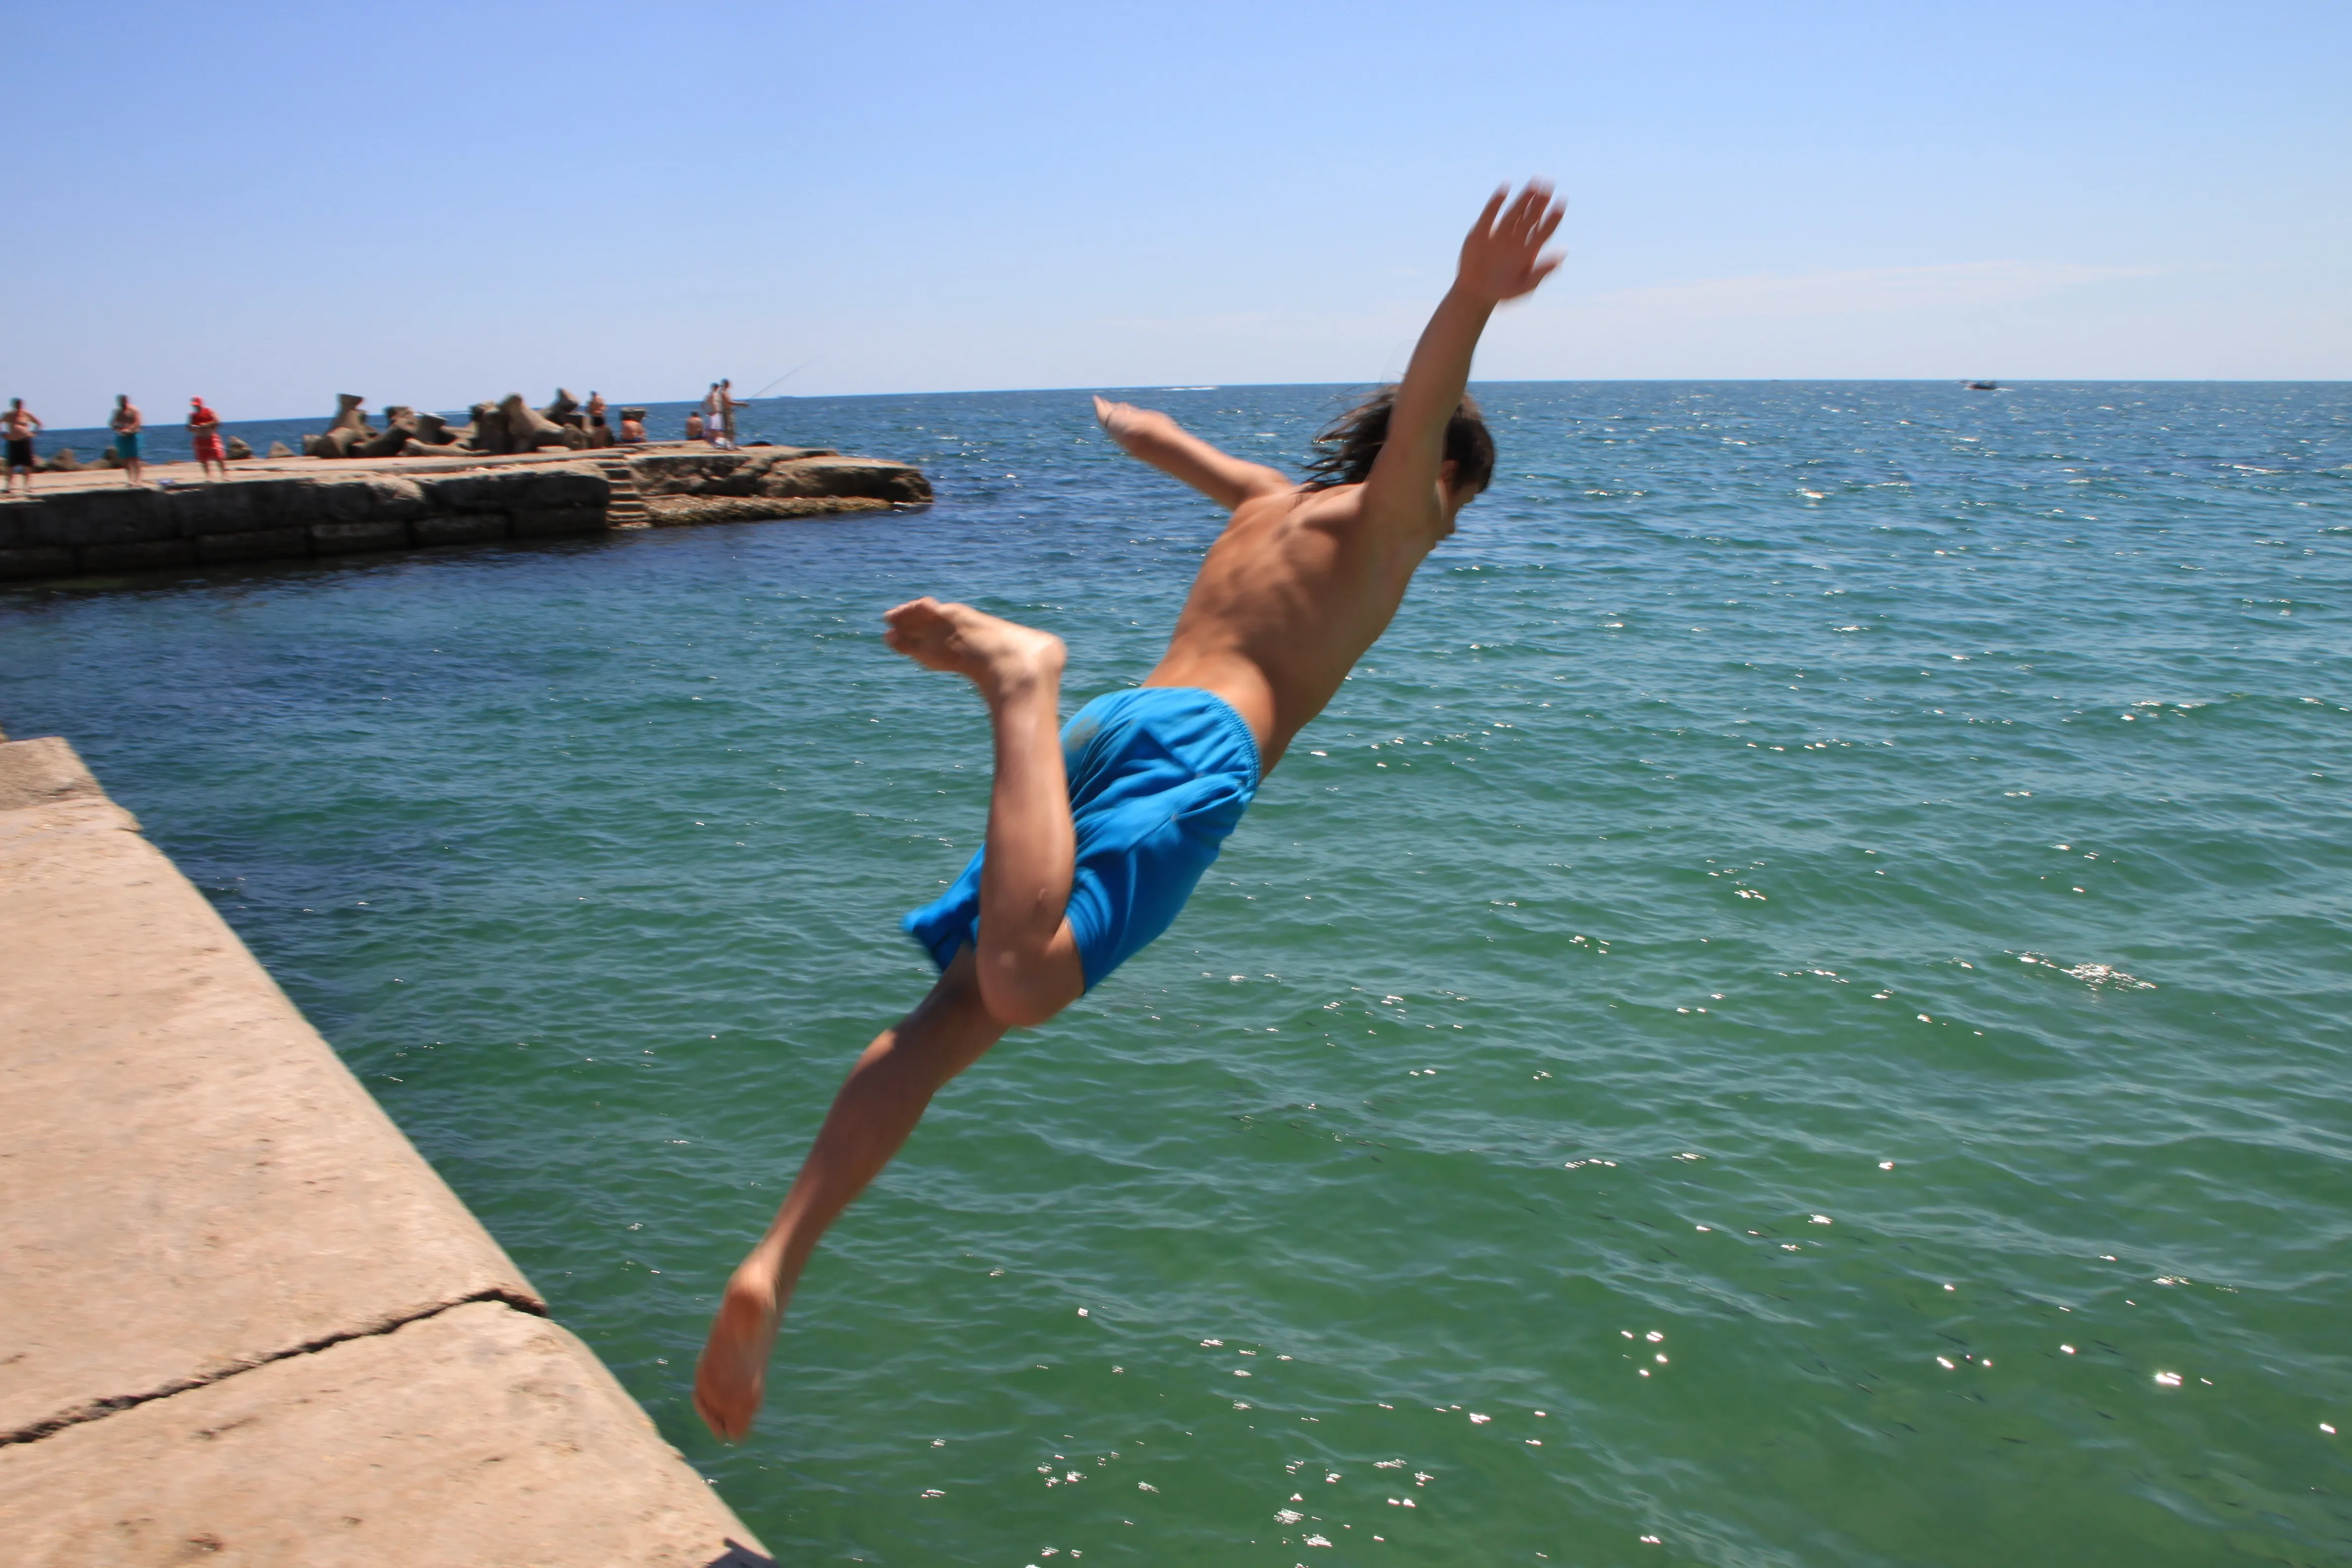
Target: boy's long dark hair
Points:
(1352, 442)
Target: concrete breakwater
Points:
(241, 1319)
(288, 509)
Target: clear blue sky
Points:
(432, 204)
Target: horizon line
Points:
(1077, 390)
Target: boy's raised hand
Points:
(1503, 255)
(1126, 423)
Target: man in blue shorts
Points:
(1098, 834)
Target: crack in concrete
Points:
(98, 1409)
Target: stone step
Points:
(627, 508)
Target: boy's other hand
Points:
(1503, 255)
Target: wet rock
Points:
(712, 473)
(146, 555)
(353, 538)
(472, 528)
(254, 544)
(46, 561)
(550, 522)
(873, 478)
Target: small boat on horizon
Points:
(1981, 386)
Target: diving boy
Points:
(1098, 834)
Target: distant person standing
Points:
(727, 407)
(126, 423)
(600, 433)
(714, 416)
(16, 426)
(694, 426)
(204, 434)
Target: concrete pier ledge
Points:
(241, 1320)
(96, 523)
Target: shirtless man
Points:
(17, 427)
(1096, 835)
(126, 421)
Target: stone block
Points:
(200, 510)
(16, 523)
(366, 498)
(559, 489)
(354, 538)
(37, 561)
(550, 523)
(470, 528)
(260, 544)
(259, 503)
(466, 492)
(111, 516)
(480, 1435)
(519, 489)
(149, 555)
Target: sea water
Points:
(1791, 1011)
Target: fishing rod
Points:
(783, 378)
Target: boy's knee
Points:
(1023, 992)
(1019, 1004)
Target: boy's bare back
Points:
(1304, 579)
(1290, 598)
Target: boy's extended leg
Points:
(885, 1096)
(1025, 970)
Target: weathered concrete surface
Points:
(198, 1194)
(181, 1150)
(481, 1436)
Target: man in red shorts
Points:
(203, 431)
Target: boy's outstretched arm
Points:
(1503, 258)
(1148, 434)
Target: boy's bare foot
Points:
(997, 655)
(731, 1378)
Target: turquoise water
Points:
(1827, 896)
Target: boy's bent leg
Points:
(877, 1107)
(1028, 966)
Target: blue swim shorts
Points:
(126, 446)
(1159, 776)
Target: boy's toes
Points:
(929, 632)
(924, 620)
